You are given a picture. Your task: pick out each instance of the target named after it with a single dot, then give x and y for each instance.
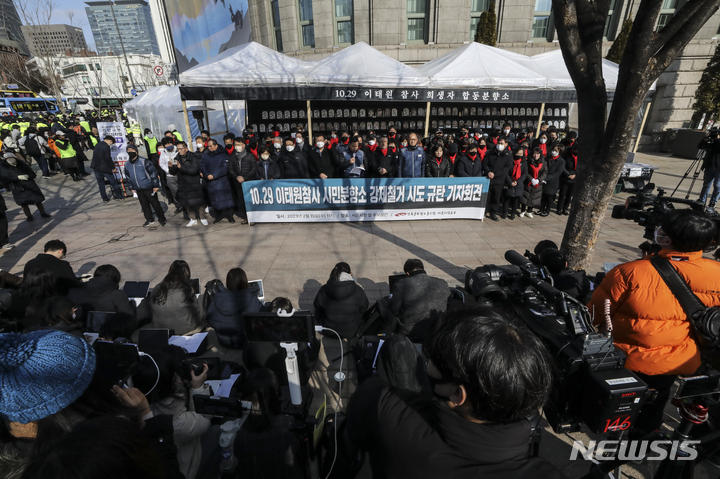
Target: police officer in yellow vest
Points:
(85, 126)
(175, 133)
(136, 132)
(151, 146)
(68, 156)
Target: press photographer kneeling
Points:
(488, 374)
(649, 324)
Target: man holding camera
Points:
(711, 165)
(649, 324)
(488, 373)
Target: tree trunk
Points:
(603, 147)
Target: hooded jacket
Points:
(340, 305)
(226, 311)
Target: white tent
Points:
(552, 65)
(481, 66)
(250, 64)
(364, 66)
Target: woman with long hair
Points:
(173, 304)
(30, 305)
(341, 302)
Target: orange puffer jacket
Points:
(649, 325)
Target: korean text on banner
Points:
(370, 199)
(119, 149)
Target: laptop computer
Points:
(96, 319)
(394, 279)
(136, 289)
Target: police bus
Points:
(19, 102)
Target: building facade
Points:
(11, 36)
(417, 31)
(54, 39)
(132, 18)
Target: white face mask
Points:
(333, 136)
(265, 157)
(403, 144)
(507, 132)
(150, 135)
(289, 148)
(199, 145)
(371, 142)
(277, 145)
(299, 141)
(239, 149)
(661, 239)
(320, 144)
(543, 140)
(500, 147)
(555, 154)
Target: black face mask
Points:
(133, 156)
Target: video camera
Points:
(649, 210)
(592, 386)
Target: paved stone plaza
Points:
(294, 260)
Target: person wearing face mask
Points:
(343, 143)
(168, 152)
(541, 142)
(506, 132)
(267, 167)
(537, 174)
(515, 182)
(151, 144)
(229, 140)
(403, 143)
(276, 148)
(477, 135)
(552, 136)
(370, 147)
(292, 161)
(214, 167)
(145, 182)
(321, 163)
(333, 140)
(471, 164)
(21, 178)
(453, 155)
(241, 168)
(205, 134)
(104, 167)
(68, 156)
(497, 166)
(412, 159)
(385, 160)
(567, 180)
(351, 158)
(555, 166)
(302, 144)
(392, 133)
(438, 165)
(189, 190)
(199, 144)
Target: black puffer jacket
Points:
(226, 311)
(190, 193)
(101, 294)
(340, 305)
(25, 192)
(555, 167)
(435, 170)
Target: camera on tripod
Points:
(592, 386)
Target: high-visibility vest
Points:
(93, 140)
(136, 129)
(24, 125)
(177, 135)
(85, 125)
(41, 125)
(152, 144)
(68, 152)
(7, 126)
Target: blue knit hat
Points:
(42, 373)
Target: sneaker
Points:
(529, 215)
(8, 246)
(148, 223)
(204, 222)
(566, 212)
(106, 201)
(191, 223)
(46, 177)
(30, 218)
(494, 217)
(544, 214)
(522, 215)
(207, 209)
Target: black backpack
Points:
(32, 147)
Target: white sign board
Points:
(119, 149)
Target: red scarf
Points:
(230, 149)
(333, 142)
(372, 147)
(393, 149)
(254, 152)
(452, 158)
(438, 159)
(276, 134)
(517, 169)
(384, 151)
(535, 172)
(473, 157)
(543, 148)
(345, 142)
(574, 157)
(494, 140)
(482, 153)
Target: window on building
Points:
(306, 23)
(275, 8)
(477, 7)
(666, 13)
(343, 22)
(417, 19)
(541, 20)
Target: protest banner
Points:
(119, 149)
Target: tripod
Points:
(697, 164)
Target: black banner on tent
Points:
(351, 94)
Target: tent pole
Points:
(642, 125)
(207, 117)
(537, 130)
(427, 119)
(309, 117)
(227, 127)
(190, 140)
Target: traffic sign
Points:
(12, 86)
(158, 70)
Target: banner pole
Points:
(309, 117)
(642, 125)
(190, 140)
(542, 110)
(427, 119)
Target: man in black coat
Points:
(711, 165)
(267, 167)
(470, 164)
(322, 161)
(190, 190)
(292, 161)
(104, 167)
(567, 179)
(52, 260)
(496, 166)
(475, 426)
(384, 161)
(242, 167)
(4, 237)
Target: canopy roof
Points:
(250, 64)
(362, 65)
(481, 66)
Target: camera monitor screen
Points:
(114, 361)
(195, 285)
(271, 328)
(151, 340)
(96, 319)
(136, 289)
(261, 290)
(394, 280)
